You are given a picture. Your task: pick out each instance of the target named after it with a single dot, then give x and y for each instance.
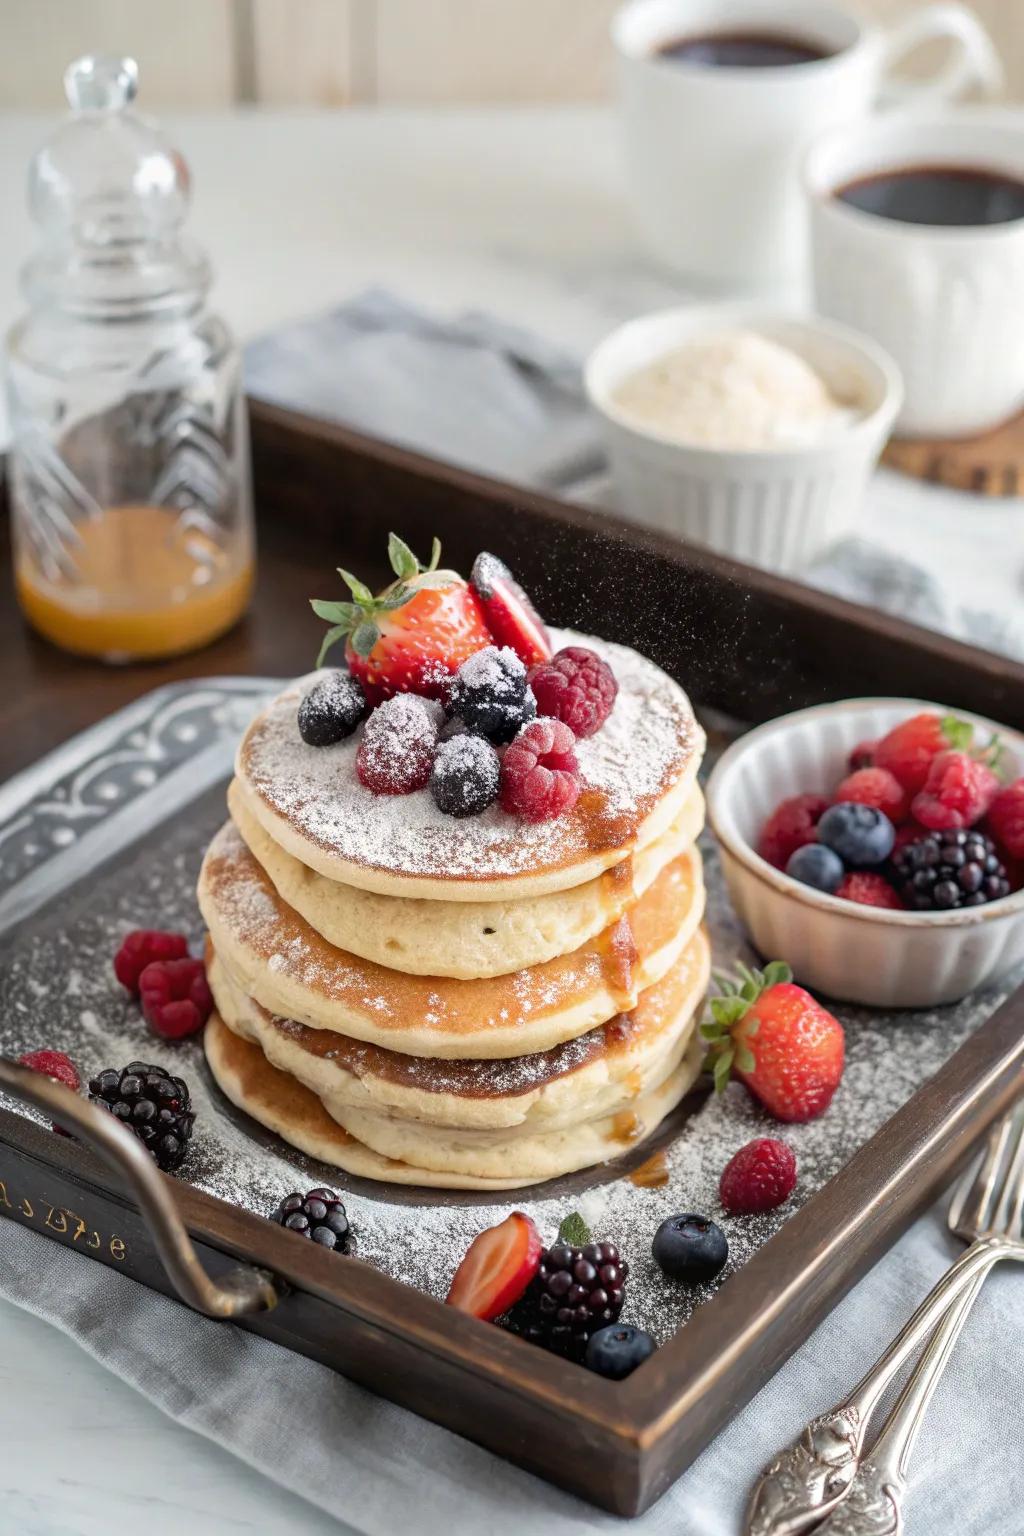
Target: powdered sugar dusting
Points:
(58, 969)
(643, 748)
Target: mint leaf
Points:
(574, 1231)
(403, 562)
(365, 638)
(331, 638)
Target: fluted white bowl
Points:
(775, 507)
(857, 953)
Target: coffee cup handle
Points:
(975, 61)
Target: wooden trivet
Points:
(991, 464)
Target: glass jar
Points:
(129, 463)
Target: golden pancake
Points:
(277, 958)
(284, 1106)
(637, 771)
(576, 1080)
(462, 939)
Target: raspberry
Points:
(56, 1065)
(862, 756)
(908, 749)
(396, 753)
(957, 792)
(789, 827)
(758, 1177)
(539, 772)
(53, 1064)
(176, 998)
(1006, 819)
(869, 889)
(140, 948)
(877, 787)
(576, 687)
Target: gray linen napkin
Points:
(325, 1438)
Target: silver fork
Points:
(811, 1478)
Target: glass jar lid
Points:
(109, 194)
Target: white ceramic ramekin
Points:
(772, 507)
(857, 953)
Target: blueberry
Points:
(466, 776)
(859, 834)
(490, 694)
(331, 709)
(816, 865)
(617, 1350)
(690, 1248)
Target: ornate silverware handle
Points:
(811, 1476)
(239, 1292)
(874, 1503)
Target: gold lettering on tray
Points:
(63, 1222)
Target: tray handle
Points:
(239, 1292)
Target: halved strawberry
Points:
(411, 637)
(499, 1265)
(511, 617)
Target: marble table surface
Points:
(518, 212)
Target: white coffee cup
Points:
(947, 302)
(712, 154)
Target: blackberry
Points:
(331, 709)
(465, 777)
(490, 694)
(951, 869)
(320, 1216)
(154, 1105)
(575, 1292)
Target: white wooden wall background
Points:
(212, 53)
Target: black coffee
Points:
(938, 194)
(742, 50)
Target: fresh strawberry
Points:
(862, 756)
(877, 787)
(778, 1040)
(1006, 819)
(956, 793)
(412, 637)
(869, 889)
(758, 1177)
(499, 1264)
(908, 749)
(510, 616)
(790, 825)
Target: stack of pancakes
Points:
(465, 1003)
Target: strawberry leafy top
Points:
(357, 619)
(735, 1000)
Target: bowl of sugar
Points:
(751, 432)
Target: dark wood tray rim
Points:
(618, 1445)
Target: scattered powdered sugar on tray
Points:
(641, 749)
(57, 989)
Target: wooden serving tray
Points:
(742, 641)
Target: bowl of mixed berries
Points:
(879, 845)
